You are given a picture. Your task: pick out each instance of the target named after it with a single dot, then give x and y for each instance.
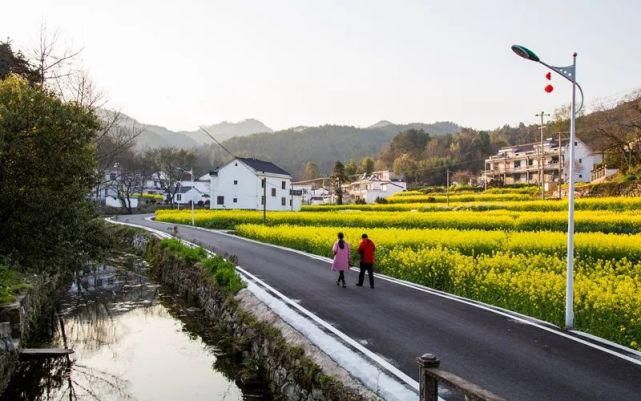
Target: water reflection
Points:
(130, 345)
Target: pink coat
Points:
(341, 257)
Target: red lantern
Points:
(548, 76)
(549, 88)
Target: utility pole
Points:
(541, 155)
(191, 173)
(560, 166)
(264, 200)
(485, 176)
(447, 188)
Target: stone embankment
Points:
(19, 319)
(295, 369)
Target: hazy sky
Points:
(287, 63)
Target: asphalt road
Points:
(514, 360)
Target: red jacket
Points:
(366, 249)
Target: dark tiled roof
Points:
(528, 147)
(263, 166)
(183, 189)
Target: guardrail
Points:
(431, 375)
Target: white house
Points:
(198, 190)
(379, 184)
(243, 183)
(186, 194)
(311, 195)
(530, 163)
(107, 194)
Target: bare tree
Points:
(128, 179)
(616, 131)
(52, 62)
(168, 165)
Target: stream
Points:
(132, 340)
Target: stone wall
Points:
(19, 319)
(294, 368)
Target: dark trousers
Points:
(369, 267)
(341, 277)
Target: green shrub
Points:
(11, 284)
(222, 271)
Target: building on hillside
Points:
(246, 183)
(379, 184)
(530, 163)
(601, 173)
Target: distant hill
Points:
(434, 129)
(155, 136)
(381, 124)
(226, 130)
(294, 147)
(289, 149)
(152, 136)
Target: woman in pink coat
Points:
(341, 259)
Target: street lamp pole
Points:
(569, 280)
(568, 73)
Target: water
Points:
(132, 341)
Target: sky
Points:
(182, 64)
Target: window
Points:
(235, 182)
(220, 200)
(106, 192)
(576, 143)
(291, 203)
(273, 191)
(283, 201)
(283, 183)
(262, 200)
(262, 183)
(235, 200)
(580, 175)
(179, 197)
(580, 161)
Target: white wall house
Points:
(311, 195)
(530, 163)
(186, 194)
(198, 190)
(239, 184)
(106, 194)
(379, 184)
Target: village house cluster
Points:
(546, 162)
(248, 183)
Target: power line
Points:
(234, 156)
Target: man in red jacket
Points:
(366, 249)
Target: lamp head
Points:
(525, 53)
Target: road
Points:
(515, 360)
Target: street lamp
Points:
(568, 73)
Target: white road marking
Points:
(395, 386)
(543, 325)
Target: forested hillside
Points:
(293, 148)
